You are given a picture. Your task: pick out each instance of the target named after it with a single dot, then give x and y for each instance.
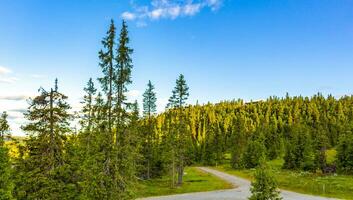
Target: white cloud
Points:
(4, 70)
(15, 115)
(15, 105)
(128, 16)
(192, 9)
(14, 97)
(133, 93)
(8, 79)
(174, 11)
(141, 24)
(157, 13)
(20, 110)
(4, 78)
(169, 9)
(214, 4)
(37, 76)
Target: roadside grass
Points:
(195, 180)
(335, 186)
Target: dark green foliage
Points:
(149, 100)
(179, 94)
(177, 102)
(111, 148)
(6, 183)
(87, 110)
(123, 78)
(123, 60)
(345, 153)
(255, 152)
(296, 128)
(4, 128)
(42, 169)
(264, 187)
(107, 64)
(299, 152)
(151, 165)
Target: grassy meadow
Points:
(195, 180)
(335, 186)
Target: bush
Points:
(254, 152)
(264, 187)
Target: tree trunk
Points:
(148, 169)
(180, 175)
(52, 145)
(173, 170)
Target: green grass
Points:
(194, 181)
(336, 186)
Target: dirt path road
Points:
(241, 192)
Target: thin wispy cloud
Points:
(8, 80)
(15, 115)
(4, 75)
(133, 93)
(128, 16)
(168, 9)
(14, 97)
(20, 110)
(37, 76)
(4, 70)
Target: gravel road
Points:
(241, 191)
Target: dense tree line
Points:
(297, 129)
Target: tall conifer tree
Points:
(149, 108)
(108, 66)
(177, 101)
(87, 110)
(123, 78)
(48, 116)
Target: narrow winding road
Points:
(240, 192)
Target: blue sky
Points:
(227, 49)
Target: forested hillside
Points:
(300, 129)
(116, 147)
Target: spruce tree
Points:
(87, 110)
(6, 183)
(48, 116)
(4, 128)
(123, 78)
(177, 101)
(149, 101)
(149, 108)
(179, 94)
(345, 153)
(108, 66)
(299, 152)
(99, 112)
(264, 187)
(124, 136)
(110, 171)
(255, 151)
